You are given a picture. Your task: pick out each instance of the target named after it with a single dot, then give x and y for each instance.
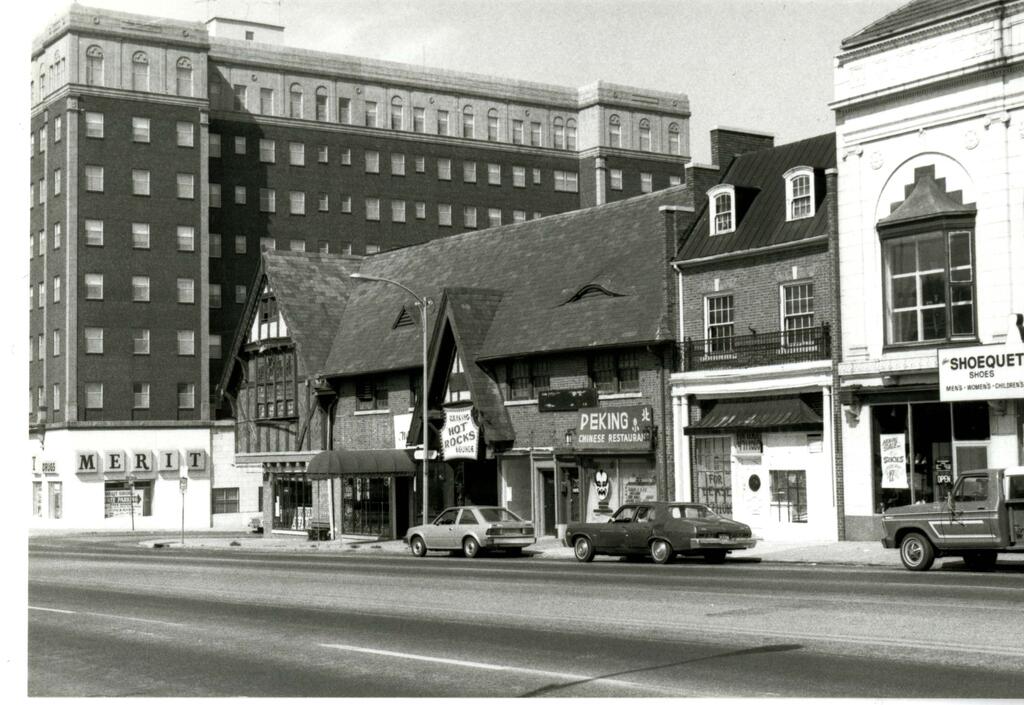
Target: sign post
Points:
(131, 499)
(183, 486)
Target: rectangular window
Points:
(674, 180)
(494, 174)
(535, 134)
(140, 130)
(215, 296)
(186, 237)
(140, 182)
(240, 294)
(56, 289)
(140, 289)
(94, 287)
(614, 373)
(469, 172)
(140, 341)
(186, 186)
(93, 395)
(94, 179)
(536, 177)
(56, 397)
(719, 324)
(798, 314)
(321, 154)
(42, 243)
(56, 182)
(492, 128)
(140, 395)
(419, 120)
(297, 202)
(372, 160)
(929, 286)
(373, 209)
(344, 111)
(186, 342)
(266, 101)
(268, 200)
(297, 154)
(567, 181)
(323, 203)
(56, 236)
(789, 496)
(518, 216)
(320, 105)
(186, 291)
(240, 145)
(398, 165)
(42, 297)
(421, 210)
(225, 500)
(420, 165)
(93, 341)
(186, 134)
(268, 151)
(371, 114)
(56, 342)
(646, 182)
(371, 394)
(469, 216)
(396, 117)
(214, 145)
(94, 233)
(241, 245)
(615, 176)
(493, 217)
(323, 247)
(240, 94)
(55, 492)
(444, 169)
(444, 214)
(517, 132)
(346, 204)
(527, 378)
(240, 195)
(214, 195)
(346, 157)
(442, 123)
(397, 211)
(519, 176)
(296, 245)
(37, 497)
(140, 236)
(94, 125)
(186, 395)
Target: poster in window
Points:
(894, 460)
(640, 489)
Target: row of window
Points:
(141, 396)
(797, 313)
(95, 72)
(800, 200)
(94, 343)
(94, 289)
(185, 184)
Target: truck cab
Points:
(982, 516)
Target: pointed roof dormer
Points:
(927, 198)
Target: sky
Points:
(764, 65)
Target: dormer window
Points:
(722, 217)
(799, 192)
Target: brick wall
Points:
(726, 144)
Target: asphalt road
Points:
(115, 620)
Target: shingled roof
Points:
(761, 201)
(539, 266)
(915, 15)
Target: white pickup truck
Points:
(982, 516)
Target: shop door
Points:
(712, 471)
(403, 505)
(548, 501)
(570, 495)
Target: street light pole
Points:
(422, 302)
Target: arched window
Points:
(492, 125)
(321, 103)
(558, 133)
(94, 66)
(675, 145)
(140, 71)
(183, 77)
(723, 214)
(467, 122)
(295, 101)
(645, 135)
(396, 113)
(570, 134)
(614, 131)
(799, 192)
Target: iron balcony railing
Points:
(776, 348)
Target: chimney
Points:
(677, 220)
(701, 177)
(729, 142)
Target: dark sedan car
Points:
(662, 530)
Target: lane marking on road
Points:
(108, 616)
(498, 667)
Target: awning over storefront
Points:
(363, 462)
(783, 412)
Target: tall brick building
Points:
(166, 155)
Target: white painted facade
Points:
(948, 96)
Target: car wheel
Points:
(716, 556)
(981, 560)
(661, 551)
(470, 547)
(418, 547)
(583, 549)
(916, 552)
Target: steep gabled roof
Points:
(915, 15)
(761, 200)
(537, 266)
(927, 198)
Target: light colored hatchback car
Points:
(471, 530)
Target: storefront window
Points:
(612, 482)
(121, 498)
(789, 496)
(37, 499)
(712, 473)
(56, 500)
(366, 505)
(293, 503)
(935, 442)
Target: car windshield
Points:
(692, 511)
(497, 514)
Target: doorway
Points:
(403, 505)
(548, 502)
(570, 495)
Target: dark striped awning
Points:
(781, 413)
(363, 462)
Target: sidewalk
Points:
(870, 553)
